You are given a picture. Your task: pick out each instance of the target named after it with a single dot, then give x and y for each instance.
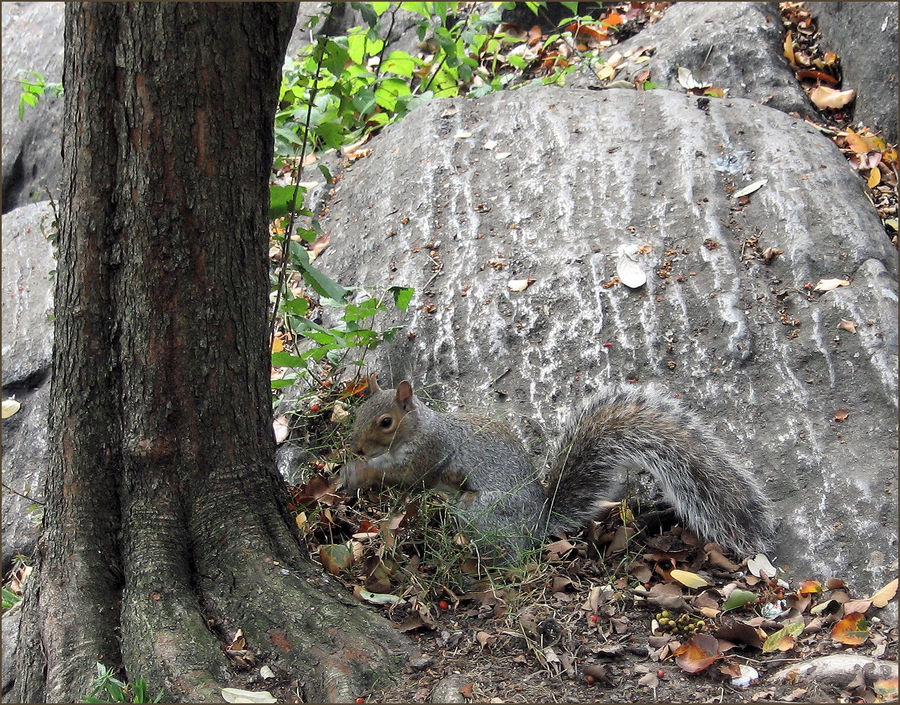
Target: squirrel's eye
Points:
(386, 421)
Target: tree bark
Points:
(165, 529)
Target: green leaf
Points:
(420, 8)
(285, 359)
(298, 306)
(516, 61)
(368, 12)
(400, 63)
(738, 598)
(321, 283)
(281, 198)
(357, 312)
(402, 296)
(331, 133)
(571, 7)
(771, 643)
(390, 89)
(380, 7)
(364, 101)
(282, 383)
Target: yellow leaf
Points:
(874, 177)
(277, 345)
(885, 594)
(691, 580)
(10, 406)
(789, 49)
(856, 143)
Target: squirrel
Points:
(403, 442)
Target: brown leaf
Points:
(852, 630)
(467, 690)
(860, 606)
(816, 76)
(885, 594)
(558, 549)
(849, 326)
(698, 653)
(841, 415)
(740, 633)
(335, 557)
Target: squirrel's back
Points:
(623, 429)
(402, 441)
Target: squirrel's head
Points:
(383, 419)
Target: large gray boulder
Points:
(32, 160)
(27, 351)
(864, 35)
(548, 184)
(736, 46)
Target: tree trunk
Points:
(166, 529)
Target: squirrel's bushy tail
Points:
(622, 430)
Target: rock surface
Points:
(730, 45)
(32, 159)
(27, 350)
(546, 184)
(868, 56)
(573, 176)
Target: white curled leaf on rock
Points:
(747, 676)
(750, 188)
(760, 563)
(10, 407)
(687, 81)
(824, 97)
(630, 272)
(379, 598)
(236, 695)
(281, 427)
(830, 284)
(520, 284)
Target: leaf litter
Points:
(660, 615)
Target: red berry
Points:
(590, 680)
(315, 407)
(360, 700)
(661, 674)
(443, 604)
(595, 618)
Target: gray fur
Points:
(619, 430)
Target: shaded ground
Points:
(576, 626)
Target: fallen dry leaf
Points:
(874, 177)
(885, 594)
(784, 639)
(698, 653)
(849, 326)
(688, 579)
(830, 284)
(852, 630)
(520, 284)
(281, 427)
(789, 49)
(830, 99)
(841, 415)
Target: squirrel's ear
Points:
(373, 383)
(405, 398)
